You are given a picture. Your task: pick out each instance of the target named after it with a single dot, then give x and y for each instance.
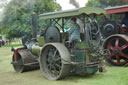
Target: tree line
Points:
(16, 21)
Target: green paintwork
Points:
(91, 70)
(83, 58)
(37, 47)
(81, 45)
(74, 12)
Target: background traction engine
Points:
(116, 36)
(54, 55)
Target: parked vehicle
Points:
(52, 52)
(116, 32)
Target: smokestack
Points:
(74, 3)
(34, 26)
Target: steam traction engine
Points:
(117, 35)
(52, 52)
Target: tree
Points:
(113, 2)
(93, 3)
(106, 3)
(17, 15)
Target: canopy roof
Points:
(73, 12)
(117, 9)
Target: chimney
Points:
(34, 26)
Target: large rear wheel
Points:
(52, 61)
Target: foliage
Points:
(106, 3)
(113, 2)
(17, 16)
(94, 3)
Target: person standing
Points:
(74, 31)
(0, 43)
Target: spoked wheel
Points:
(118, 48)
(52, 61)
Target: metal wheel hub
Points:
(116, 51)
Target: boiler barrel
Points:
(36, 50)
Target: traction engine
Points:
(51, 51)
(115, 33)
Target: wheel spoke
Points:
(50, 67)
(55, 71)
(49, 59)
(118, 59)
(110, 46)
(123, 47)
(110, 57)
(123, 55)
(57, 65)
(54, 53)
(57, 59)
(116, 43)
(112, 54)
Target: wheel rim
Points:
(118, 48)
(51, 62)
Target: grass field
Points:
(113, 76)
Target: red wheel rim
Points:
(119, 51)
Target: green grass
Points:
(113, 76)
(14, 44)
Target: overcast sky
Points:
(65, 4)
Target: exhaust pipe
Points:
(34, 26)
